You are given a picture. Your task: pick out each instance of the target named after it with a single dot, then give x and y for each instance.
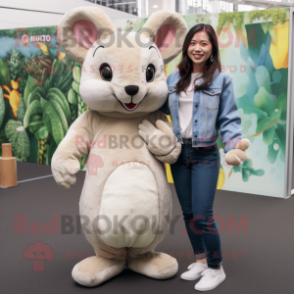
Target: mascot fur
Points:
(124, 105)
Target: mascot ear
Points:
(80, 28)
(168, 31)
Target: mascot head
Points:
(123, 72)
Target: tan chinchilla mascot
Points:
(125, 198)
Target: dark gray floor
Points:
(267, 268)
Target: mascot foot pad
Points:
(156, 265)
(93, 271)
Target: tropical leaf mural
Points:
(35, 112)
(48, 113)
(16, 61)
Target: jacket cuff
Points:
(232, 143)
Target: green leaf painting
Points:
(247, 170)
(19, 139)
(48, 112)
(21, 109)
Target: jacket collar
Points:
(200, 81)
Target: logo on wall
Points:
(25, 39)
(41, 38)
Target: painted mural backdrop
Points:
(254, 52)
(39, 94)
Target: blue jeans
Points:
(195, 177)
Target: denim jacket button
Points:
(196, 136)
(195, 120)
(196, 105)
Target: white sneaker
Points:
(210, 279)
(194, 271)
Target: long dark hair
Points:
(186, 65)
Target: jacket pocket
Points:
(211, 98)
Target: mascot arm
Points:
(75, 145)
(171, 157)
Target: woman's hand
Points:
(238, 154)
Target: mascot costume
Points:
(125, 197)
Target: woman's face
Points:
(199, 50)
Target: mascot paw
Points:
(160, 140)
(243, 144)
(94, 270)
(63, 173)
(238, 155)
(155, 265)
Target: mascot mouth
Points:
(130, 106)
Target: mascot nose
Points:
(132, 90)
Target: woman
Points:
(201, 101)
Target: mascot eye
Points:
(105, 72)
(150, 73)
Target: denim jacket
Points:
(214, 110)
